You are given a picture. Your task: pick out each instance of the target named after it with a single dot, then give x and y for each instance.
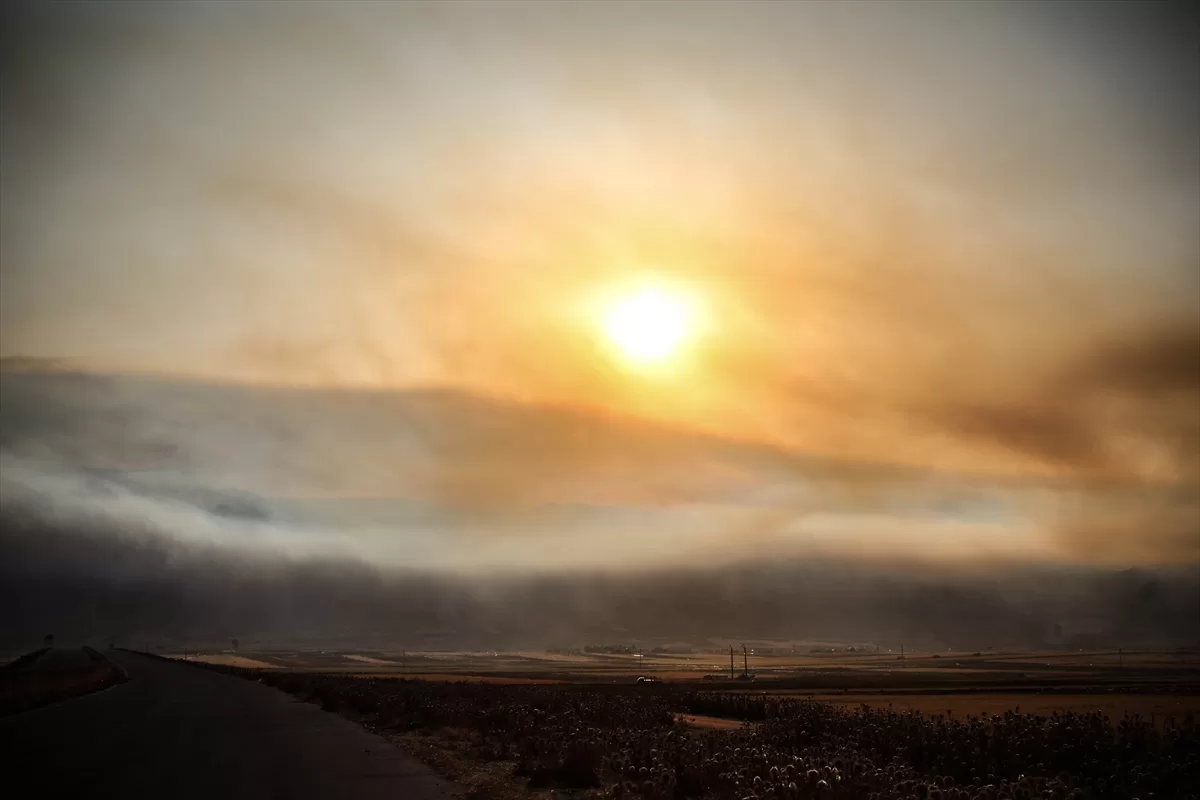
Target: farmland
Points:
(1010, 725)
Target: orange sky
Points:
(939, 236)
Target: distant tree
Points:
(235, 644)
(48, 640)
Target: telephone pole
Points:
(730, 662)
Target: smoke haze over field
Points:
(299, 332)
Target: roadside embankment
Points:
(51, 675)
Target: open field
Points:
(1149, 684)
(468, 715)
(232, 660)
(717, 661)
(1107, 672)
(1158, 707)
(1155, 685)
(610, 738)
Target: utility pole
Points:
(745, 661)
(1120, 658)
(730, 662)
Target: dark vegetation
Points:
(24, 686)
(628, 742)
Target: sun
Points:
(648, 325)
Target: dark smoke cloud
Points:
(1160, 361)
(97, 584)
(1141, 392)
(139, 508)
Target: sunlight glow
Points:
(648, 325)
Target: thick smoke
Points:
(100, 584)
(137, 506)
(450, 480)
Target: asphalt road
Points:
(177, 731)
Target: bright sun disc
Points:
(647, 325)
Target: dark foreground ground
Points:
(176, 731)
(51, 675)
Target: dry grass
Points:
(452, 677)
(229, 660)
(961, 705)
(859, 670)
(715, 723)
(379, 662)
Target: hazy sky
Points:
(950, 237)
